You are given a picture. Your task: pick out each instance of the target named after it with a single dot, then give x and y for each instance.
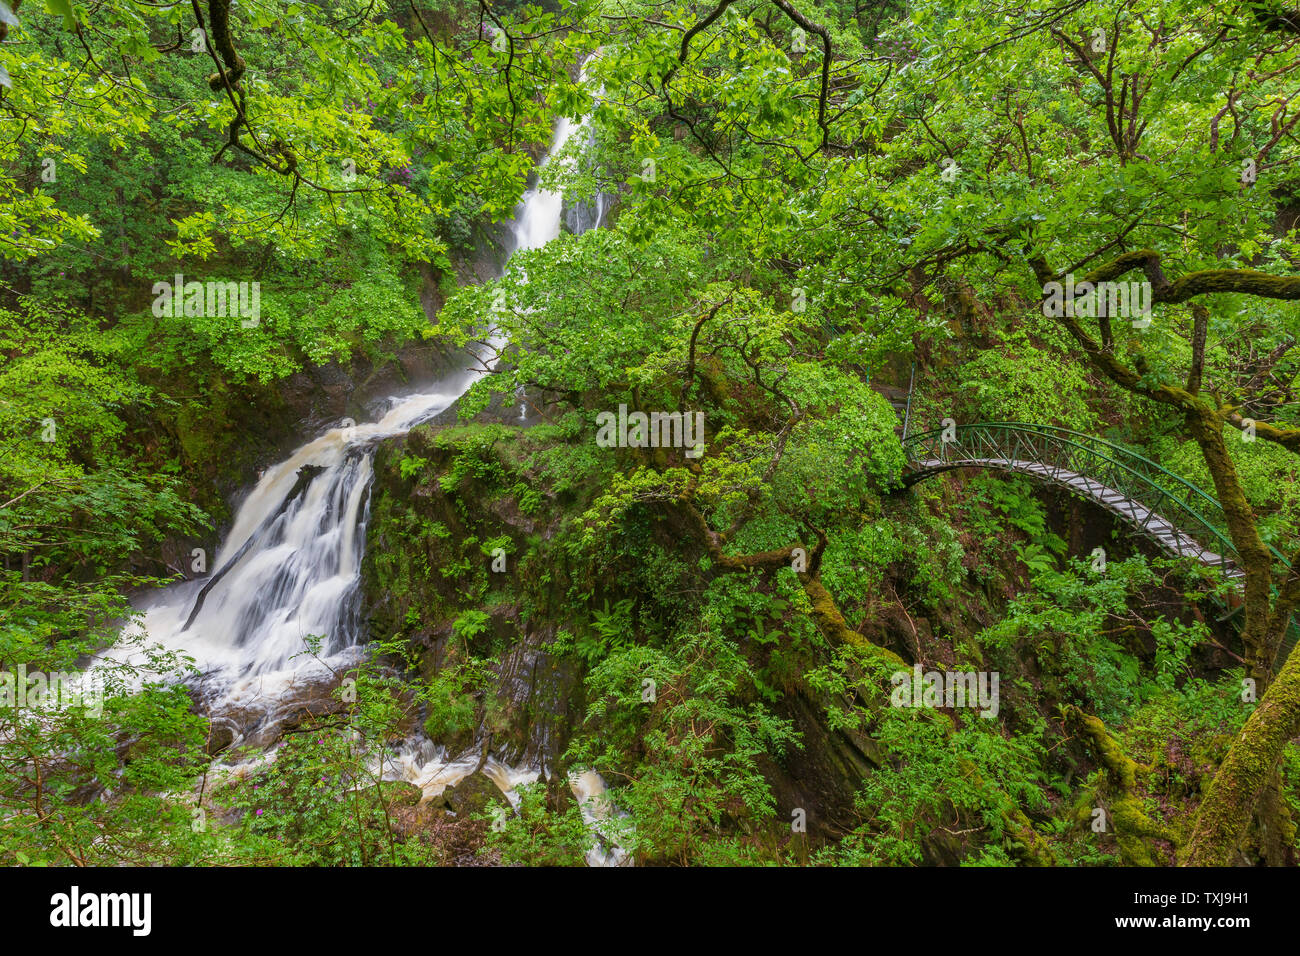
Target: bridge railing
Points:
(1168, 508)
(1171, 510)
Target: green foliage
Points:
(974, 772)
(1019, 382)
(1081, 629)
(535, 835)
(410, 466)
(793, 247)
(695, 749)
(452, 698)
(609, 628)
(117, 805)
(470, 624)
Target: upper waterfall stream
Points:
(290, 566)
(290, 569)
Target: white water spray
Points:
(289, 570)
(290, 567)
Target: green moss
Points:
(1134, 828)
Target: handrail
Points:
(907, 414)
(1034, 428)
(1084, 442)
(928, 454)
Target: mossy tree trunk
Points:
(1270, 597)
(1134, 829)
(1249, 769)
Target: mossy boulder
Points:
(399, 793)
(473, 795)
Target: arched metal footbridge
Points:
(1178, 516)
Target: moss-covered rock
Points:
(473, 795)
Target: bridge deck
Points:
(1163, 531)
(1063, 457)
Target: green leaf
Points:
(64, 8)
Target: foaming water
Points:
(601, 817)
(277, 620)
(279, 614)
(421, 762)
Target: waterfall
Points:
(290, 569)
(290, 566)
(583, 214)
(588, 787)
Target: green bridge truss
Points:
(1180, 517)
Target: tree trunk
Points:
(1250, 764)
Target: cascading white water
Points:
(598, 813)
(583, 214)
(289, 569)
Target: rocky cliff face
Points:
(445, 500)
(446, 510)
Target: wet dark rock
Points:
(475, 794)
(536, 698)
(221, 734)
